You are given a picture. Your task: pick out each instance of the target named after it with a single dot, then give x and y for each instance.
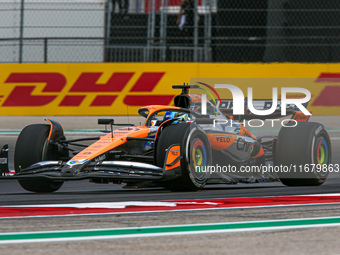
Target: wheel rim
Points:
(199, 161)
(322, 156)
(322, 151)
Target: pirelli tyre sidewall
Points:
(195, 152)
(303, 149)
(32, 146)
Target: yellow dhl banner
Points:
(121, 88)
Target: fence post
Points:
(196, 32)
(163, 28)
(151, 28)
(45, 50)
(21, 30)
(107, 49)
(207, 32)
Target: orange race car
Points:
(177, 148)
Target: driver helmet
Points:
(183, 117)
(169, 115)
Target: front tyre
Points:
(31, 147)
(195, 152)
(307, 148)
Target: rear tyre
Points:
(195, 152)
(31, 147)
(307, 149)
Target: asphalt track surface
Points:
(301, 241)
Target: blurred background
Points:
(47, 31)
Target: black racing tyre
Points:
(195, 152)
(306, 150)
(31, 147)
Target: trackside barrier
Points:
(121, 88)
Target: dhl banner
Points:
(122, 88)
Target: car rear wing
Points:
(4, 170)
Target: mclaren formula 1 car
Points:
(177, 148)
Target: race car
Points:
(178, 148)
